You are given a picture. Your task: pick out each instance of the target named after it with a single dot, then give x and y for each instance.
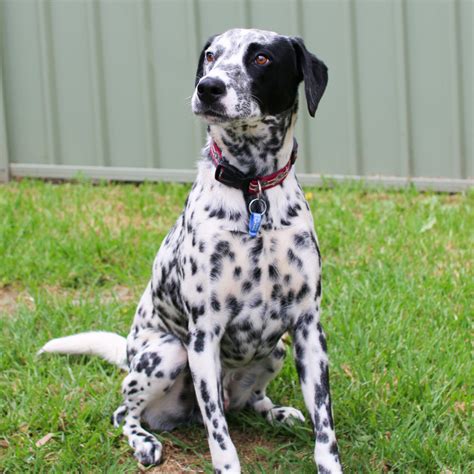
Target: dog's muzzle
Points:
(210, 90)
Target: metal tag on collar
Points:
(257, 209)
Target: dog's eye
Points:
(261, 60)
(209, 57)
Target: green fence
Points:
(104, 87)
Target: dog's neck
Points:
(256, 148)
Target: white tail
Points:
(107, 345)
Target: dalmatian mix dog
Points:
(228, 282)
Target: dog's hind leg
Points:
(154, 370)
(268, 369)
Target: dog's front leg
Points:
(313, 370)
(204, 362)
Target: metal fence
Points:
(103, 87)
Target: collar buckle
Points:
(231, 176)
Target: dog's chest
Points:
(251, 287)
(211, 274)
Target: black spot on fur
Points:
(220, 213)
(233, 305)
(295, 260)
(273, 271)
(322, 438)
(302, 239)
(322, 341)
(220, 439)
(215, 304)
(197, 311)
(216, 265)
(194, 267)
(246, 286)
(304, 290)
(279, 353)
(257, 274)
(204, 391)
(199, 341)
(318, 289)
(174, 374)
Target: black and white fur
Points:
(207, 333)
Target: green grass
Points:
(398, 298)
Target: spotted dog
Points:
(207, 333)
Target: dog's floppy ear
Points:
(200, 69)
(314, 73)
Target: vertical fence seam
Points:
(48, 83)
(247, 14)
(355, 90)
(151, 81)
(405, 137)
(459, 84)
(146, 89)
(97, 82)
(4, 157)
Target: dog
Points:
(239, 269)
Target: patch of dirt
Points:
(11, 298)
(179, 459)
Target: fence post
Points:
(4, 162)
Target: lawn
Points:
(398, 303)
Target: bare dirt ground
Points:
(180, 460)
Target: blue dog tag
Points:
(254, 223)
(255, 220)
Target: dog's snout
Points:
(210, 89)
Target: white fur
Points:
(109, 346)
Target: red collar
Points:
(231, 176)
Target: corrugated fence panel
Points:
(380, 139)
(71, 67)
(176, 47)
(108, 83)
(332, 135)
(431, 61)
(23, 84)
(129, 143)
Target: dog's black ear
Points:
(314, 73)
(200, 69)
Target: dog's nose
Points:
(210, 89)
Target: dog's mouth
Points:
(213, 112)
(212, 115)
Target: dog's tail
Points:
(107, 345)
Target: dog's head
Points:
(244, 75)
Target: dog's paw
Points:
(119, 415)
(227, 466)
(286, 415)
(147, 450)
